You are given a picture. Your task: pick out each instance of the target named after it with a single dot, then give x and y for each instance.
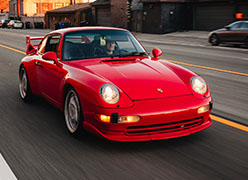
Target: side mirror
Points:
(156, 52)
(50, 56)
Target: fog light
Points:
(104, 118)
(203, 109)
(121, 119)
(128, 119)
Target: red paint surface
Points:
(163, 114)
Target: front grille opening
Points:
(165, 127)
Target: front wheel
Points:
(214, 40)
(73, 113)
(24, 86)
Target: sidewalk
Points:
(186, 37)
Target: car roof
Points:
(65, 30)
(241, 21)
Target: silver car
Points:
(235, 33)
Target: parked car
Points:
(4, 23)
(17, 24)
(106, 83)
(235, 33)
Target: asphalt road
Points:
(35, 144)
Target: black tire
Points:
(24, 86)
(214, 40)
(73, 114)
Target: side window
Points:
(235, 25)
(52, 43)
(244, 25)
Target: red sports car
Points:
(106, 83)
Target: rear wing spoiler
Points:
(32, 47)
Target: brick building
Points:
(38, 7)
(112, 12)
(163, 16)
(73, 15)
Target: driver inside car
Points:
(104, 46)
(110, 47)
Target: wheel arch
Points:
(20, 67)
(67, 87)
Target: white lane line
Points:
(5, 171)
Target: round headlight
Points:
(109, 93)
(198, 85)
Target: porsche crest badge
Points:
(160, 90)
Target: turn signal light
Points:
(203, 109)
(104, 118)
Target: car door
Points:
(244, 32)
(232, 33)
(235, 33)
(49, 74)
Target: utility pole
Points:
(17, 8)
(17, 13)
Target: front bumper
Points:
(159, 119)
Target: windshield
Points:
(100, 43)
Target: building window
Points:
(45, 7)
(38, 8)
(59, 5)
(42, 8)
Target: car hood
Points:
(141, 80)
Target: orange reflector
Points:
(239, 15)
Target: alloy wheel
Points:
(72, 111)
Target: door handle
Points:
(37, 63)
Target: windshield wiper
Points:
(129, 54)
(110, 60)
(133, 54)
(125, 55)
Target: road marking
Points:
(13, 49)
(177, 62)
(5, 171)
(205, 67)
(229, 123)
(215, 118)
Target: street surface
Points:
(35, 144)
